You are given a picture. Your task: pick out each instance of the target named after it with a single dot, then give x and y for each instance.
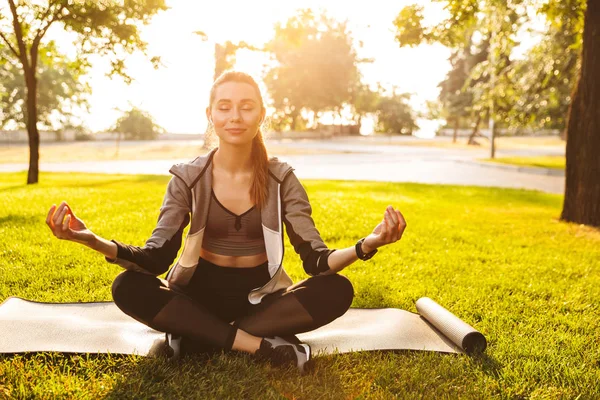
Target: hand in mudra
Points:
(65, 225)
(389, 230)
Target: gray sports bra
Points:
(230, 234)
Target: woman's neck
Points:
(234, 160)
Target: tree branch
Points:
(40, 34)
(19, 34)
(10, 46)
(47, 12)
(55, 17)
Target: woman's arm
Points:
(103, 246)
(160, 249)
(317, 258)
(389, 230)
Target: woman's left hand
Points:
(389, 230)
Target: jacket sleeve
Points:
(161, 248)
(301, 229)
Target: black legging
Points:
(203, 312)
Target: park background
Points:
(478, 119)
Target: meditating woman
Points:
(228, 289)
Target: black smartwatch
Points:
(359, 252)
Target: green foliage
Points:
(546, 76)
(529, 93)
(365, 100)
(225, 55)
(395, 115)
(137, 124)
(60, 89)
(409, 26)
(106, 28)
(316, 65)
(497, 258)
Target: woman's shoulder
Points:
(279, 169)
(190, 171)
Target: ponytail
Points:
(260, 160)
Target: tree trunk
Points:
(455, 133)
(472, 140)
(582, 177)
(32, 130)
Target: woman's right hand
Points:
(65, 225)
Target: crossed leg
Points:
(302, 307)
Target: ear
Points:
(262, 116)
(208, 115)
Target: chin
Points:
(237, 141)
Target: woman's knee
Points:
(125, 286)
(331, 296)
(342, 289)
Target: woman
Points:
(228, 288)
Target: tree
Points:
(394, 115)
(493, 24)
(582, 184)
(364, 101)
(545, 78)
(108, 28)
(61, 90)
(316, 65)
(225, 55)
(137, 124)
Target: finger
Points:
(385, 234)
(61, 216)
(49, 216)
(393, 215)
(383, 229)
(401, 220)
(59, 209)
(65, 225)
(389, 222)
(69, 210)
(402, 225)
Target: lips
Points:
(236, 130)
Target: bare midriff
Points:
(234, 261)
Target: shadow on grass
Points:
(15, 219)
(79, 183)
(237, 375)
(14, 187)
(487, 364)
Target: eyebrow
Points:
(241, 101)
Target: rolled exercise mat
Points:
(459, 332)
(101, 327)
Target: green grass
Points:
(554, 162)
(497, 258)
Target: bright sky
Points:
(177, 94)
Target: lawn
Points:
(554, 162)
(497, 258)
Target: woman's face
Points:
(236, 112)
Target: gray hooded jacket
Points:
(187, 199)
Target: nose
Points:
(235, 116)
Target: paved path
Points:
(367, 161)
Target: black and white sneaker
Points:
(173, 345)
(280, 352)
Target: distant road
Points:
(366, 160)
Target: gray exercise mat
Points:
(100, 327)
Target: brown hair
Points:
(260, 158)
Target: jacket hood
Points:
(190, 172)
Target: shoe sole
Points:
(304, 367)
